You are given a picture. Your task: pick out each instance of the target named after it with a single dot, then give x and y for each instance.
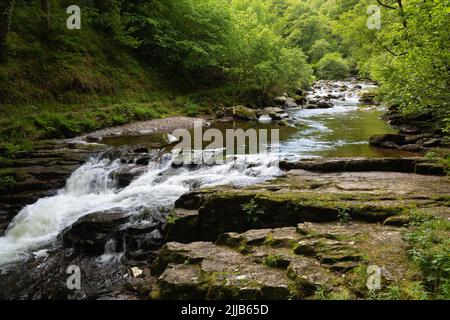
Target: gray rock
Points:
(412, 147)
(290, 103)
(380, 139)
(280, 100)
(91, 232)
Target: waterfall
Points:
(91, 188)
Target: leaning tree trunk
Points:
(45, 17)
(6, 7)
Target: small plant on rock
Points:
(344, 215)
(253, 211)
(273, 261)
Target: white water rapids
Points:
(91, 189)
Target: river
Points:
(341, 131)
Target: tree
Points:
(45, 17)
(319, 49)
(6, 8)
(332, 67)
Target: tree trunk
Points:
(45, 17)
(6, 7)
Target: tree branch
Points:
(402, 13)
(385, 5)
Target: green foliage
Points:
(344, 215)
(431, 252)
(6, 183)
(319, 49)
(441, 158)
(57, 122)
(409, 55)
(332, 66)
(10, 150)
(253, 211)
(191, 109)
(275, 261)
(171, 219)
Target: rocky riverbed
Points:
(140, 228)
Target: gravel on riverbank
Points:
(142, 127)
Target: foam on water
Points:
(91, 189)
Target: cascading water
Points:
(91, 189)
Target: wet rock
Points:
(318, 104)
(324, 105)
(311, 106)
(142, 241)
(408, 129)
(412, 148)
(387, 140)
(276, 113)
(282, 123)
(143, 161)
(290, 103)
(126, 175)
(414, 139)
(141, 149)
(431, 143)
(91, 232)
(389, 145)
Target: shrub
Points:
(431, 252)
(332, 66)
(191, 109)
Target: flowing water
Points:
(339, 131)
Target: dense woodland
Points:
(139, 59)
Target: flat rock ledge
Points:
(305, 235)
(303, 262)
(417, 165)
(303, 196)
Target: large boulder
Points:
(313, 104)
(125, 175)
(281, 100)
(367, 97)
(382, 140)
(290, 103)
(91, 232)
(324, 105)
(244, 113)
(276, 113)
